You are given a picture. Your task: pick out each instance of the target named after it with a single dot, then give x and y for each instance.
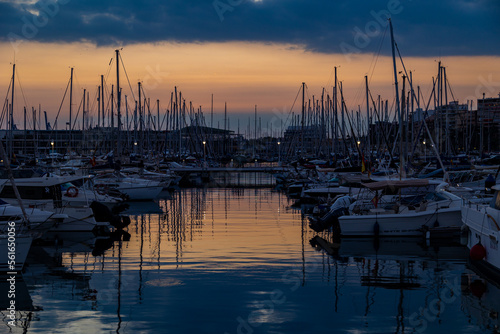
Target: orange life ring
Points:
(72, 191)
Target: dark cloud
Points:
(422, 27)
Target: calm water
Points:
(243, 261)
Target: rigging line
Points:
(386, 140)
(59, 111)
(406, 73)
(21, 87)
(6, 103)
(72, 127)
(451, 90)
(291, 109)
(425, 113)
(92, 106)
(4, 111)
(109, 68)
(359, 96)
(330, 78)
(126, 75)
(378, 53)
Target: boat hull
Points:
(141, 193)
(481, 223)
(413, 224)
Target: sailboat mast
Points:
(83, 119)
(98, 104)
(140, 118)
(368, 120)
(255, 132)
(335, 117)
(401, 160)
(70, 109)
(102, 100)
(303, 118)
(11, 116)
(118, 104)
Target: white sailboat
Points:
(482, 223)
(135, 188)
(45, 193)
(401, 208)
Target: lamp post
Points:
(359, 142)
(204, 154)
(279, 154)
(425, 151)
(52, 151)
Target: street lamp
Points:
(279, 154)
(52, 151)
(425, 151)
(204, 154)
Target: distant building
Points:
(312, 135)
(488, 113)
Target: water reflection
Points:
(241, 261)
(481, 301)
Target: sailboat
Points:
(482, 224)
(409, 207)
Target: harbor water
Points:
(245, 261)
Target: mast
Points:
(225, 126)
(83, 113)
(158, 127)
(303, 118)
(401, 160)
(112, 130)
(127, 124)
(255, 132)
(481, 129)
(11, 116)
(102, 101)
(335, 102)
(35, 139)
(83, 119)
(403, 108)
(342, 126)
(118, 104)
(25, 130)
(212, 119)
(368, 120)
(135, 126)
(70, 103)
(98, 104)
(140, 118)
(323, 132)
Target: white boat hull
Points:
(482, 222)
(411, 224)
(141, 193)
(79, 220)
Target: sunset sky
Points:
(246, 53)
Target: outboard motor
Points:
(488, 184)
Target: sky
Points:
(245, 52)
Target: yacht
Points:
(482, 226)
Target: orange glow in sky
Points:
(241, 74)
